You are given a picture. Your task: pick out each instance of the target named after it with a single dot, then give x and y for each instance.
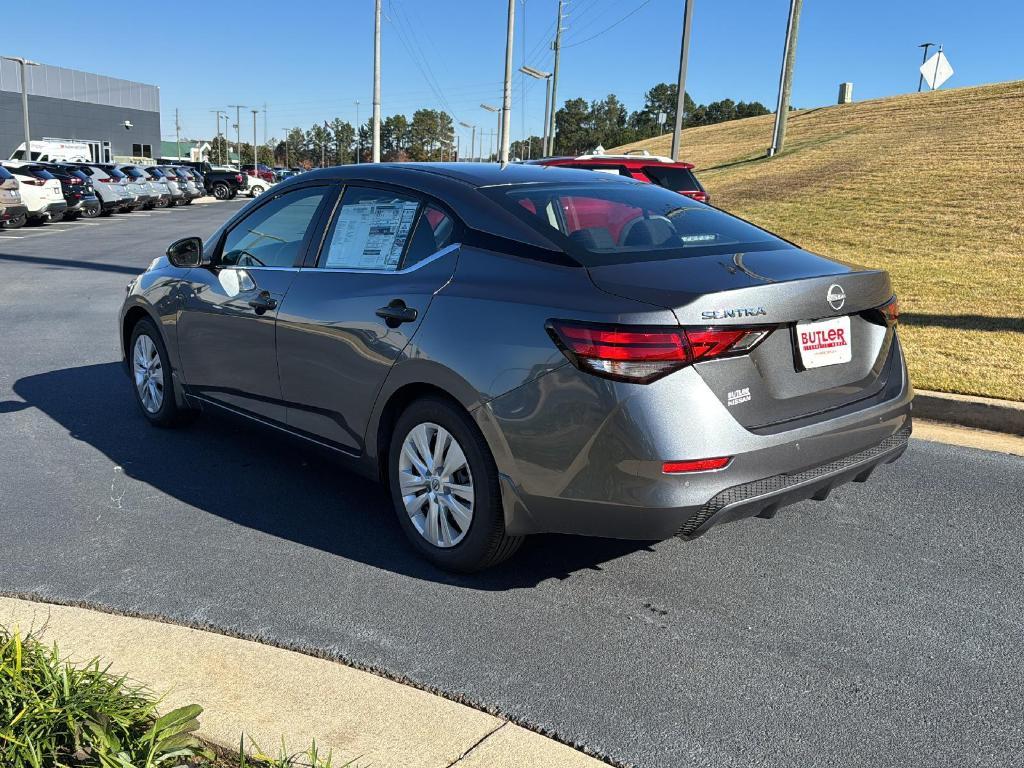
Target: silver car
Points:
(147, 192)
(174, 186)
(527, 349)
(108, 186)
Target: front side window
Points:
(273, 235)
(618, 223)
(370, 230)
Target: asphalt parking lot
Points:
(882, 627)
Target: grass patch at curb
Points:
(54, 714)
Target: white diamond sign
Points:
(936, 70)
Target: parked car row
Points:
(40, 192)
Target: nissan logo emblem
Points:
(836, 296)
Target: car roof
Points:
(471, 174)
(634, 161)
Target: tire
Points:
(16, 223)
(90, 213)
(188, 201)
(221, 191)
(150, 371)
(162, 202)
(233, 195)
(256, 190)
(172, 203)
(68, 216)
(463, 547)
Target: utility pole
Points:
(177, 133)
(920, 79)
(238, 130)
(255, 150)
(375, 157)
(554, 82)
(506, 104)
(684, 54)
(24, 102)
(216, 135)
(287, 159)
(786, 78)
(359, 137)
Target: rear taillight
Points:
(32, 182)
(695, 194)
(641, 355)
(891, 311)
(239, 178)
(105, 181)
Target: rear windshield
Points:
(156, 173)
(113, 173)
(619, 223)
(676, 179)
(40, 173)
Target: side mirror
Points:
(185, 253)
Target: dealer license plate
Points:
(824, 342)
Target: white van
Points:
(55, 151)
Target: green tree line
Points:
(580, 126)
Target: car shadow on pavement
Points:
(71, 264)
(274, 484)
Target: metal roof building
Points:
(68, 104)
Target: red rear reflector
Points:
(695, 465)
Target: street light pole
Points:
(684, 53)
(238, 130)
(546, 76)
(499, 111)
(359, 137)
(375, 157)
(287, 160)
(216, 134)
(255, 151)
(23, 62)
(786, 78)
(472, 140)
(506, 104)
(920, 80)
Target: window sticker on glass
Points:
(371, 234)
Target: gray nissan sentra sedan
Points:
(527, 349)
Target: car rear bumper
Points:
(582, 455)
(9, 212)
(53, 210)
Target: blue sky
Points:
(310, 61)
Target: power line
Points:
(608, 28)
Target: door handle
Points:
(396, 313)
(263, 302)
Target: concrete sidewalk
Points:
(268, 693)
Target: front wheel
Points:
(151, 376)
(221, 191)
(445, 489)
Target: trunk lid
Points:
(773, 287)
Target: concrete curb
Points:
(269, 693)
(976, 412)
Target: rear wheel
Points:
(70, 215)
(256, 190)
(16, 222)
(188, 201)
(221, 191)
(151, 377)
(162, 202)
(91, 213)
(444, 485)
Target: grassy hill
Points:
(929, 186)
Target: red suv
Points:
(263, 172)
(662, 171)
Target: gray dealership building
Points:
(68, 104)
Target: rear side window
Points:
(5, 174)
(434, 231)
(370, 230)
(676, 179)
(273, 234)
(619, 222)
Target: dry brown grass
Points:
(929, 186)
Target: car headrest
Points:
(648, 232)
(593, 238)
